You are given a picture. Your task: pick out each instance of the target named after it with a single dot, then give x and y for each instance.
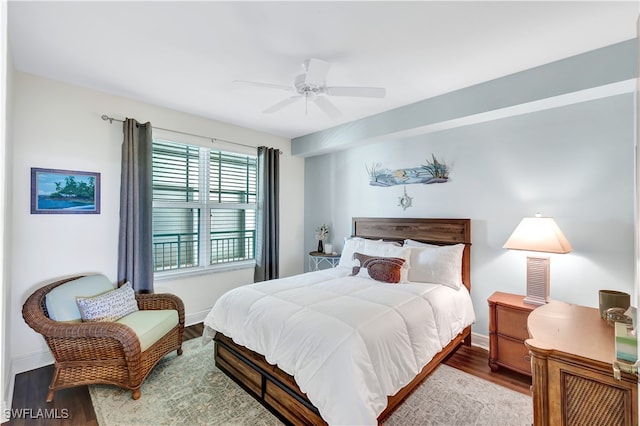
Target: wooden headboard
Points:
(432, 231)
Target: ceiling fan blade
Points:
(317, 70)
(281, 104)
(266, 85)
(327, 107)
(360, 92)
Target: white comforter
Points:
(349, 342)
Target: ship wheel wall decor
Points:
(405, 200)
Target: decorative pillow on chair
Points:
(109, 306)
(385, 269)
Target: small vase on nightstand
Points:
(320, 247)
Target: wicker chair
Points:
(101, 352)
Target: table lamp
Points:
(540, 234)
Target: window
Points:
(204, 206)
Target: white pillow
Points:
(373, 245)
(414, 243)
(351, 245)
(364, 246)
(437, 265)
(109, 306)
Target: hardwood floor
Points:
(72, 407)
(475, 360)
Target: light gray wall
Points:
(637, 194)
(5, 209)
(575, 163)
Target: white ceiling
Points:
(186, 55)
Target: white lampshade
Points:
(538, 234)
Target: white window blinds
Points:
(190, 230)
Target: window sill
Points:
(183, 273)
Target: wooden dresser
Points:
(572, 350)
(507, 332)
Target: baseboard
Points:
(5, 412)
(480, 340)
(196, 317)
(7, 389)
(20, 365)
(30, 362)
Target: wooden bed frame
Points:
(278, 391)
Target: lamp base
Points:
(537, 280)
(534, 301)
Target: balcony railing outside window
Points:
(176, 251)
(232, 247)
(173, 251)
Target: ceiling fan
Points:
(311, 86)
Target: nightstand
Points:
(316, 259)
(507, 332)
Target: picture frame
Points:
(56, 191)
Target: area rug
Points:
(190, 390)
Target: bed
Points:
(355, 347)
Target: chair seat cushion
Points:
(150, 325)
(61, 301)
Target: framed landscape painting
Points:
(64, 192)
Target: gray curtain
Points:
(268, 215)
(135, 262)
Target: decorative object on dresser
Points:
(612, 299)
(508, 315)
(540, 234)
(573, 354)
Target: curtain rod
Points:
(105, 117)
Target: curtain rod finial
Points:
(105, 117)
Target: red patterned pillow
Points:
(385, 269)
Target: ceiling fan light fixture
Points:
(303, 87)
